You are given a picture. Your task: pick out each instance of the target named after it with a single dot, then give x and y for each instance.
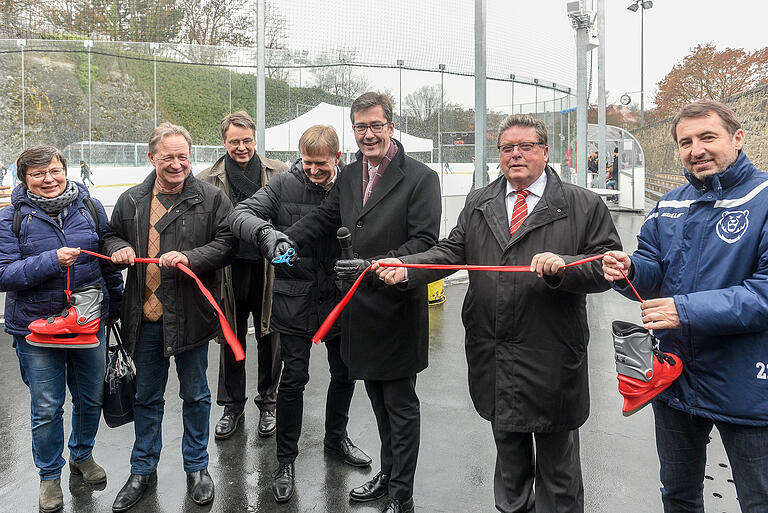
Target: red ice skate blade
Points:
(79, 341)
(638, 394)
(64, 326)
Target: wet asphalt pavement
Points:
(456, 460)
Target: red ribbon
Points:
(325, 327)
(229, 335)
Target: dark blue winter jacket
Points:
(29, 269)
(706, 245)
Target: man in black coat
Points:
(391, 204)
(303, 295)
(180, 219)
(526, 338)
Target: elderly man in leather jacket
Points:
(175, 217)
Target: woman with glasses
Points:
(51, 218)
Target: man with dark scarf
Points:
(247, 284)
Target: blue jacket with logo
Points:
(706, 245)
(29, 268)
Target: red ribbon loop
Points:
(226, 329)
(325, 327)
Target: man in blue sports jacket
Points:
(702, 260)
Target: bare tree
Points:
(336, 76)
(422, 105)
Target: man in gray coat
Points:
(526, 338)
(247, 283)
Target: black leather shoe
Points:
(372, 490)
(227, 424)
(133, 490)
(200, 486)
(267, 423)
(282, 482)
(351, 453)
(395, 506)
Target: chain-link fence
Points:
(72, 93)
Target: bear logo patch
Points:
(732, 225)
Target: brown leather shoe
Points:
(51, 499)
(91, 471)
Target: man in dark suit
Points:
(526, 338)
(391, 204)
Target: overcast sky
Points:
(529, 38)
(672, 28)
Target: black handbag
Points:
(119, 382)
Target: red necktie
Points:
(519, 211)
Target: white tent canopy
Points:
(285, 137)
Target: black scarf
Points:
(243, 183)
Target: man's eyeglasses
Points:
(40, 175)
(376, 128)
(235, 143)
(525, 147)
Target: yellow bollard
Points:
(436, 292)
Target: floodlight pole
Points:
(153, 49)
(400, 63)
(260, 82)
(89, 44)
(601, 149)
(22, 43)
(440, 120)
(581, 22)
(481, 175)
(641, 5)
(512, 78)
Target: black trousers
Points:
(247, 281)
(295, 352)
(396, 407)
(547, 480)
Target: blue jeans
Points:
(48, 372)
(681, 441)
(151, 378)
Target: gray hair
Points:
(524, 120)
(163, 130)
(39, 155)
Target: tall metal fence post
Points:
(400, 63)
(481, 97)
(440, 117)
(89, 44)
(601, 146)
(153, 48)
(260, 81)
(22, 43)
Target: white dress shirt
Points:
(536, 190)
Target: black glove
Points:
(349, 270)
(274, 243)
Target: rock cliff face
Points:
(662, 158)
(56, 103)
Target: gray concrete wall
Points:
(752, 109)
